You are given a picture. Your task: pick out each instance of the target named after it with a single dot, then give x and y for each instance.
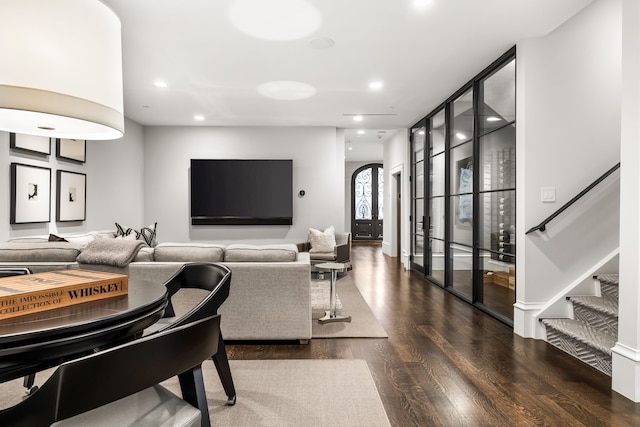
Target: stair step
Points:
(587, 344)
(598, 313)
(609, 285)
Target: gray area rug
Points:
(279, 393)
(363, 323)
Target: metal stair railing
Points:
(543, 225)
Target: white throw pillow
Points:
(322, 241)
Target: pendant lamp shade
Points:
(61, 73)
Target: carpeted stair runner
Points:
(593, 331)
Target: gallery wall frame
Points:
(31, 144)
(71, 196)
(74, 150)
(30, 194)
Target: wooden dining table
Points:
(37, 341)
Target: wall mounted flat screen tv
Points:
(241, 192)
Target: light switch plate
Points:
(548, 194)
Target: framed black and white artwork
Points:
(30, 194)
(31, 144)
(74, 150)
(71, 196)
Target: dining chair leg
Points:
(28, 382)
(224, 371)
(193, 391)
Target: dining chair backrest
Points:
(211, 277)
(93, 381)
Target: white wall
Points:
(568, 134)
(114, 184)
(318, 168)
(115, 181)
(396, 161)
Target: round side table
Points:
(331, 315)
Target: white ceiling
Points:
(212, 68)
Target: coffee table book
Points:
(32, 293)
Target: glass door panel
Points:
(497, 191)
(498, 159)
(498, 96)
(462, 270)
(419, 178)
(462, 123)
(437, 133)
(437, 238)
(418, 139)
(436, 201)
(498, 222)
(436, 261)
(437, 175)
(498, 284)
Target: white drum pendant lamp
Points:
(61, 73)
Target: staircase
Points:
(593, 331)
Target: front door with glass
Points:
(367, 203)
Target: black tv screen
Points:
(241, 192)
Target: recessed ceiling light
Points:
(461, 135)
(360, 132)
(286, 90)
(493, 119)
(275, 19)
(357, 118)
(350, 148)
(375, 85)
(198, 117)
(160, 83)
(421, 132)
(421, 3)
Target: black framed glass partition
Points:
(469, 197)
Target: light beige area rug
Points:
(310, 393)
(363, 323)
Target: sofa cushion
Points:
(39, 252)
(188, 252)
(261, 253)
(322, 241)
(144, 254)
(81, 240)
(322, 256)
(28, 239)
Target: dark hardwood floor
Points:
(446, 363)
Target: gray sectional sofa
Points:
(270, 284)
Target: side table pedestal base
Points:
(327, 318)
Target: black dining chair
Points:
(29, 380)
(120, 385)
(14, 271)
(215, 279)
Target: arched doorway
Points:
(367, 185)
